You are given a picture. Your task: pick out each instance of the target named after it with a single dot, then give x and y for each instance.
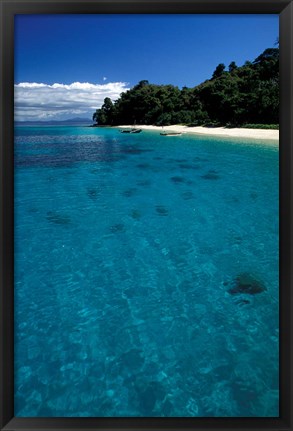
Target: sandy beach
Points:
(218, 131)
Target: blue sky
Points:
(107, 54)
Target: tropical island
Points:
(235, 97)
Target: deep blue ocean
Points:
(146, 274)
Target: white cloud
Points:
(38, 101)
(105, 78)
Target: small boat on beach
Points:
(132, 130)
(171, 133)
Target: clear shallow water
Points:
(126, 248)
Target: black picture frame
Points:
(9, 8)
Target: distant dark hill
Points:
(70, 121)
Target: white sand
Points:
(266, 134)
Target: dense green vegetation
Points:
(234, 97)
(261, 126)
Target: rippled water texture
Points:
(146, 275)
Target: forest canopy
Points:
(233, 96)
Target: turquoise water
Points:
(128, 249)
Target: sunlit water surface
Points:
(127, 253)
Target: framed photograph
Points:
(146, 242)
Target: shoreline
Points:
(256, 134)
